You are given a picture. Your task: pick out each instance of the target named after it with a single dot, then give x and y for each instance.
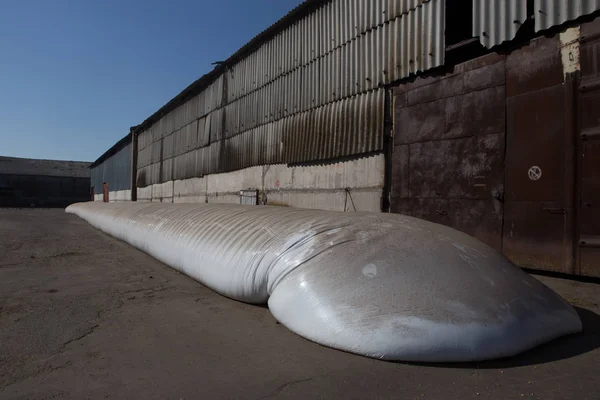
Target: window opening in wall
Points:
(459, 21)
(460, 43)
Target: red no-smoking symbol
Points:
(535, 173)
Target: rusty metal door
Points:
(539, 214)
(106, 192)
(588, 244)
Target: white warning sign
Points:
(535, 173)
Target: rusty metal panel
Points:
(534, 67)
(479, 218)
(589, 258)
(590, 189)
(539, 213)
(400, 173)
(448, 159)
(497, 21)
(536, 138)
(463, 168)
(454, 116)
(589, 157)
(538, 235)
(549, 13)
(590, 49)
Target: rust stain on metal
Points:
(539, 214)
(448, 163)
(589, 152)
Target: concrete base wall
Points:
(344, 186)
(119, 195)
(115, 196)
(144, 194)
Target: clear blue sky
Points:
(76, 74)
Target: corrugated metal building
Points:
(309, 88)
(26, 182)
(396, 105)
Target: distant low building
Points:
(26, 182)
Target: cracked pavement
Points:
(84, 316)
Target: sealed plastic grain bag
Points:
(380, 285)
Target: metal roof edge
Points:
(197, 86)
(113, 150)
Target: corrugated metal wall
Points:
(555, 12)
(310, 93)
(116, 170)
(497, 21)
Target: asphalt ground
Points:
(85, 316)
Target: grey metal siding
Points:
(312, 92)
(116, 171)
(549, 13)
(497, 21)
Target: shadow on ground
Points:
(558, 349)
